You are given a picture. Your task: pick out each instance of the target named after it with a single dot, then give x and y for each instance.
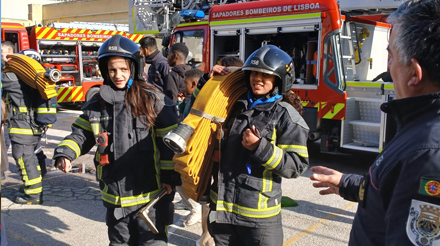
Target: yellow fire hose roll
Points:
(208, 112)
(33, 74)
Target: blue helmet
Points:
(32, 54)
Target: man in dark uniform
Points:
(159, 69)
(176, 80)
(399, 198)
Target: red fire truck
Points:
(338, 50)
(72, 48)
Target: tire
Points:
(91, 92)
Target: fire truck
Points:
(72, 48)
(338, 50)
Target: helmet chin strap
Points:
(130, 81)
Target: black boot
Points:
(29, 200)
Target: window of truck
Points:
(193, 39)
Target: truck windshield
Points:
(193, 39)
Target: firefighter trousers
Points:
(235, 235)
(133, 231)
(29, 169)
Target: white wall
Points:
(18, 9)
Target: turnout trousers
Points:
(133, 231)
(235, 235)
(29, 169)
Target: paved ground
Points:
(72, 213)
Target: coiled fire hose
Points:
(33, 74)
(201, 128)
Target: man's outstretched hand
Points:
(328, 178)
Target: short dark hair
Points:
(180, 49)
(9, 44)
(418, 37)
(194, 73)
(294, 100)
(149, 43)
(231, 61)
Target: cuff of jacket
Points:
(349, 186)
(263, 152)
(64, 152)
(170, 177)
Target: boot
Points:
(28, 200)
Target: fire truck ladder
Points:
(350, 35)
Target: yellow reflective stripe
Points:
(96, 128)
(45, 110)
(23, 109)
(33, 181)
(167, 165)
(156, 157)
(105, 187)
(277, 155)
(389, 87)
(193, 23)
(364, 84)
(33, 191)
(99, 171)
(213, 195)
(196, 92)
(116, 200)
(248, 212)
(161, 132)
(267, 187)
(38, 168)
(23, 169)
(336, 109)
(299, 149)
(83, 123)
(72, 145)
(140, 199)
(264, 19)
(22, 131)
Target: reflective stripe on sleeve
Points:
(71, 145)
(45, 110)
(161, 132)
(298, 149)
(166, 165)
(83, 123)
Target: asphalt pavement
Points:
(73, 214)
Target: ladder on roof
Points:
(349, 34)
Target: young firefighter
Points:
(176, 59)
(265, 141)
(28, 119)
(133, 164)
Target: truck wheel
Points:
(92, 91)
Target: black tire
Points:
(91, 92)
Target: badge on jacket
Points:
(423, 224)
(429, 187)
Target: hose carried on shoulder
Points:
(33, 74)
(194, 139)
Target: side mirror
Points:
(166, 40)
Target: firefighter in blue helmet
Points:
(257, 152)
(28, 119)
(127, 119)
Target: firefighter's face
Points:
(119, 71)
(261, 83)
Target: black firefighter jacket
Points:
(399, 198)
(29, 113)
(158, 70)
(176, 81)
(249, 185)
(139, 160)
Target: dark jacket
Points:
(176, 81)
(158, 70)
(139, 160)
(399, 198)
(29, 113)
(249, 185)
